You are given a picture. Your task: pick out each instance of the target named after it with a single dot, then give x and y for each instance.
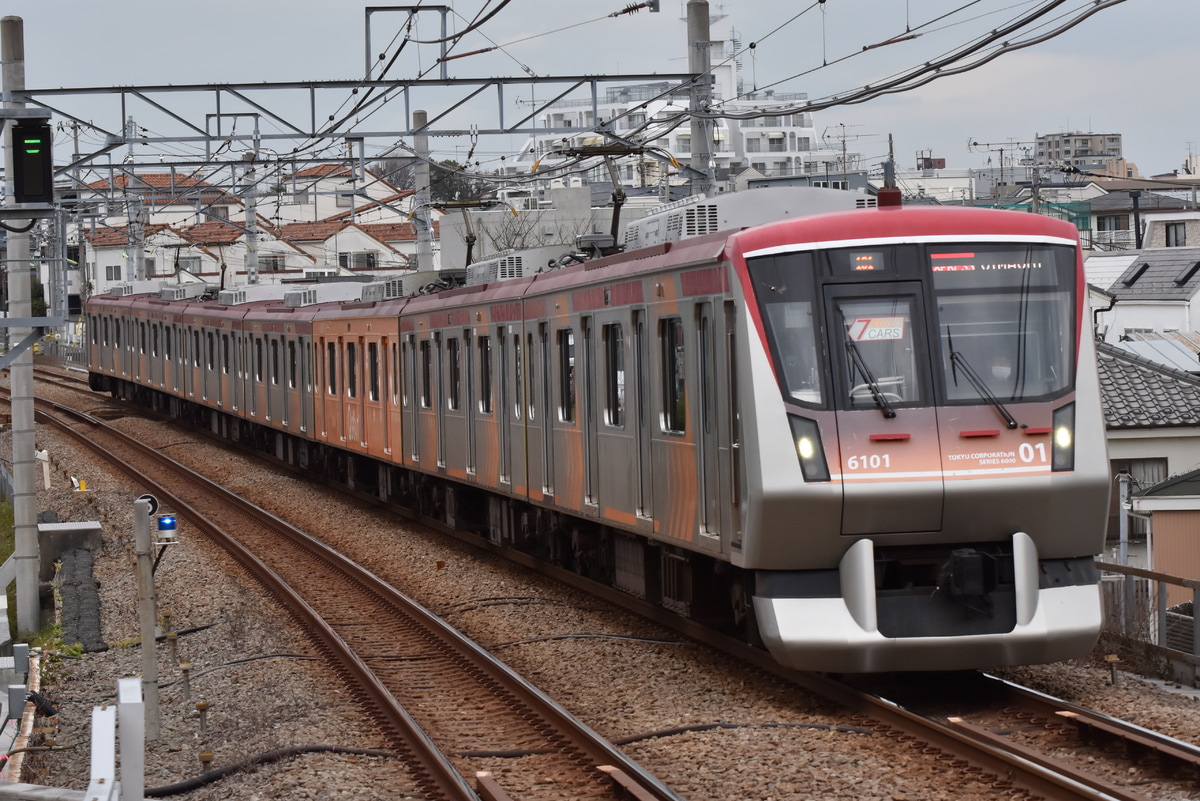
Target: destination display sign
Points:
(969, 262)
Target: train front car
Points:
(925, 452)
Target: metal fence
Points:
(1135, 608)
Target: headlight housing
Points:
(1063, 457)
(806, 436)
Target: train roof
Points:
(901, 224)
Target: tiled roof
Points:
(310, 231)
(160, 187)
(119, 237)
(391, 232)
(213, 232)
(1160, 274)
(1138, 393)
(323, 171)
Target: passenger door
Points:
(887, 424)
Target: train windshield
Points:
(785, 289)
(1005, 318)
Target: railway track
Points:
(988, 741)
(1087, 754)
(448, 708)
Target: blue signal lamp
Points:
(166, 530)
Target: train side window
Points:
(395, 373)
(331, 367)
(452, 399)
(566, 375)
(275, 362)
(195, 348)
(167, 339)
(258, 359)
(518, 378)
(291, 364)
(614, 375)
(530, 355)
(426, 374)
(225, 353)
(485, 374)
(106, 339)
(674, 417)
(352, 369)
(142, 338)
(373, 369)
(154, 340)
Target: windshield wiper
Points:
(880, 399)
(958, 360)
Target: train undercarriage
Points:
(698, 587)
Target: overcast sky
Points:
(1127, 69)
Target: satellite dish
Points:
(150, 499)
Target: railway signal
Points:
(33, 157)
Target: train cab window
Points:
(878, 337)
(331, 367)
(1005, 319)
(566, 375)
(352, 369)
(784, 288)
(614, 375)
(373, 370)
(485, 374)
(455, 388)
(674, 419)
(426, 374)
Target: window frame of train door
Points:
(467, 356)
(412, 396)
(545, 360)
(439, 398)
(586, 407)
(502, 413)
(645, 489)
(707, 423)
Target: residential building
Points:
(1090, 152)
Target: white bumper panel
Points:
(841, 634)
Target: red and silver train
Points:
(871, 437)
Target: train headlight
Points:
(1064, 439)
(807, 437)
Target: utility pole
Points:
(700, 65)
(251, 219)
(26, 554)
(421, 199)
(844, 137)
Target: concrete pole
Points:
(422, 197)
(251, 191)
(26, 554)
(147, 614)
(699, 64)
